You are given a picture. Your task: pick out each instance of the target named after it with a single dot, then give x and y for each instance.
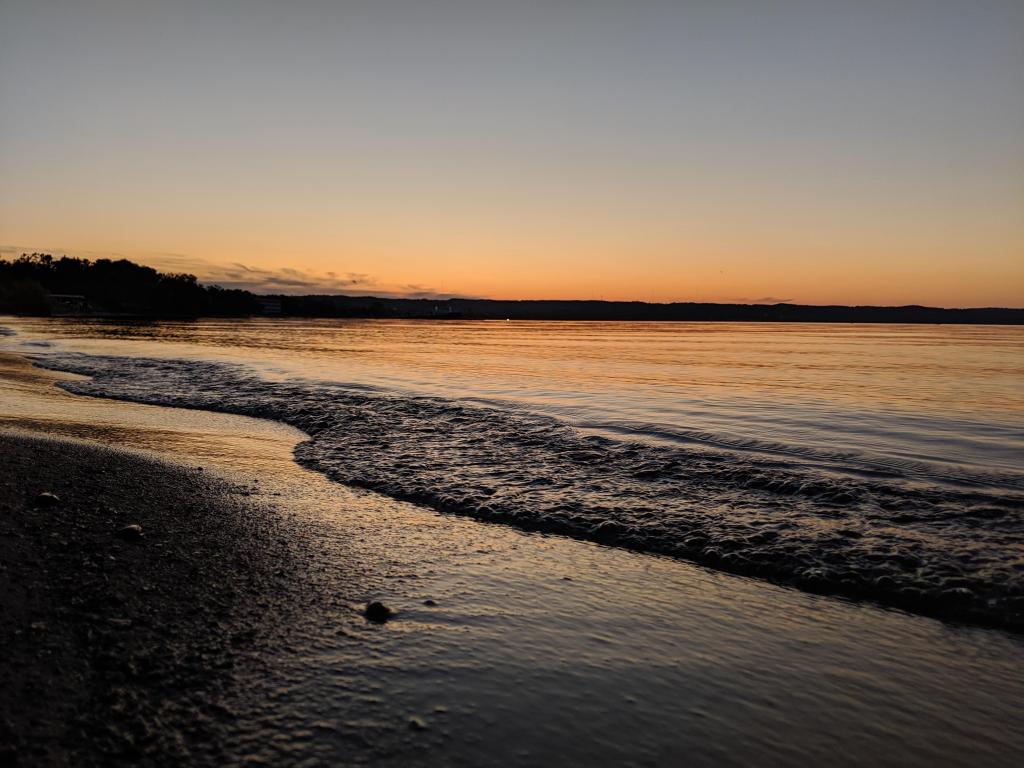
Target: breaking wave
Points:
(896, 538)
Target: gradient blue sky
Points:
(854, 152)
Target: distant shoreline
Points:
(496, 309)
(359, 307)
(40, 285)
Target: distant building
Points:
(270, 306)
(446, 311)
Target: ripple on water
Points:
(931, 548)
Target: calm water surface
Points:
(949, 399)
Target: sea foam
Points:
(927, 547)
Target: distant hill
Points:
(490, 309)
(40, 284)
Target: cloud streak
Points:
(289, 280)
(761, 300)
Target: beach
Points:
(506, 647)
(123, 649)
(511, 385)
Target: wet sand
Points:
(511, 648)
(128, 650)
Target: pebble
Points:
(378, 612)
(131, 532)
(47, 499)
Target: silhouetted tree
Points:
(119, 286)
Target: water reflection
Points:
(944, 396)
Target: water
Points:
(544, 650)
(872, 461)
(945, 398)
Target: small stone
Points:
(131, 532)
(417, 724)
(429, 603)
(47, 499)
(378, 612)
(607, 532)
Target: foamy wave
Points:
(952, 552)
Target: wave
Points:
(877, 463)
(850, 461)
(945, 551)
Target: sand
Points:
(122, 650)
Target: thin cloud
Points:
(291, 280)
(282, 280)
(762, 300)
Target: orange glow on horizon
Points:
(527, 152)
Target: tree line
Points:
(39, 284)
(30, 283)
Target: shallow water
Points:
(879, 462)
(942, 402)
(542, 650)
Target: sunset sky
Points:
(817, 152)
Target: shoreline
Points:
(843, 554)
(507, 648)
(343, 307)
(129, 651)
(454, 318)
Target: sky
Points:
(860, 152)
